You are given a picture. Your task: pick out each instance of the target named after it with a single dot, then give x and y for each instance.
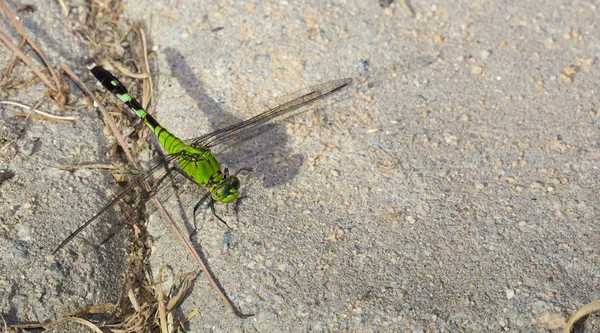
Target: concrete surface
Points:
(41, 204)
(451, 188)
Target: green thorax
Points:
(199, 163)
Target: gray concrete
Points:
(41, 204)
(451, 188)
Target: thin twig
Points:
(146, 69)
(127, 72)
(194, 313)
(160, 299)
(407, 8)
(40, 116)
(13, 20)
(134, 302)
(64, 8)
(21, 105)
(26, 60)
(582, 312)
(59, 322)
(13, 62)
(85, 166)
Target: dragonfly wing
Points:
(136, 193)
(287, 104)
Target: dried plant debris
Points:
(56, 88)
(153, 315)
(582, 312)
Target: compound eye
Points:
(231, 195)
(234, 182)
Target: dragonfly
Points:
(194, 160)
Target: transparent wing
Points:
(157, 177)
(291, 102)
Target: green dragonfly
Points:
(194, 160)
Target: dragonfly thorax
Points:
(199, 163)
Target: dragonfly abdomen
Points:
(170, 142)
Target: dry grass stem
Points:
(58, 90)
(32, 109)
(26, 60)
(64, 8)
(582, 312)
(85, 166)
(160, 299)
(127, 72)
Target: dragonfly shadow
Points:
(255, 148)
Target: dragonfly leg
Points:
(243, 169)
(181, 172)
(196, 209)
(212, 208)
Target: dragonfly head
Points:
(227, 191)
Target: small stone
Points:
(476, 70)
(569, 71)
(27, 148)
(23, 233)
(450, 139)
(550, 320)
(510, 293)
(585, 61)
(410, 219)
(283, 267)
(485, 54)
(479, 186)
(566, 78)
(537, 185)
(567, 35)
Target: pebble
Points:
(23, 233)
(551, 320)
(27, 148)
(510, 293)
(476, 70)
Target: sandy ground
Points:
(451, 188)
